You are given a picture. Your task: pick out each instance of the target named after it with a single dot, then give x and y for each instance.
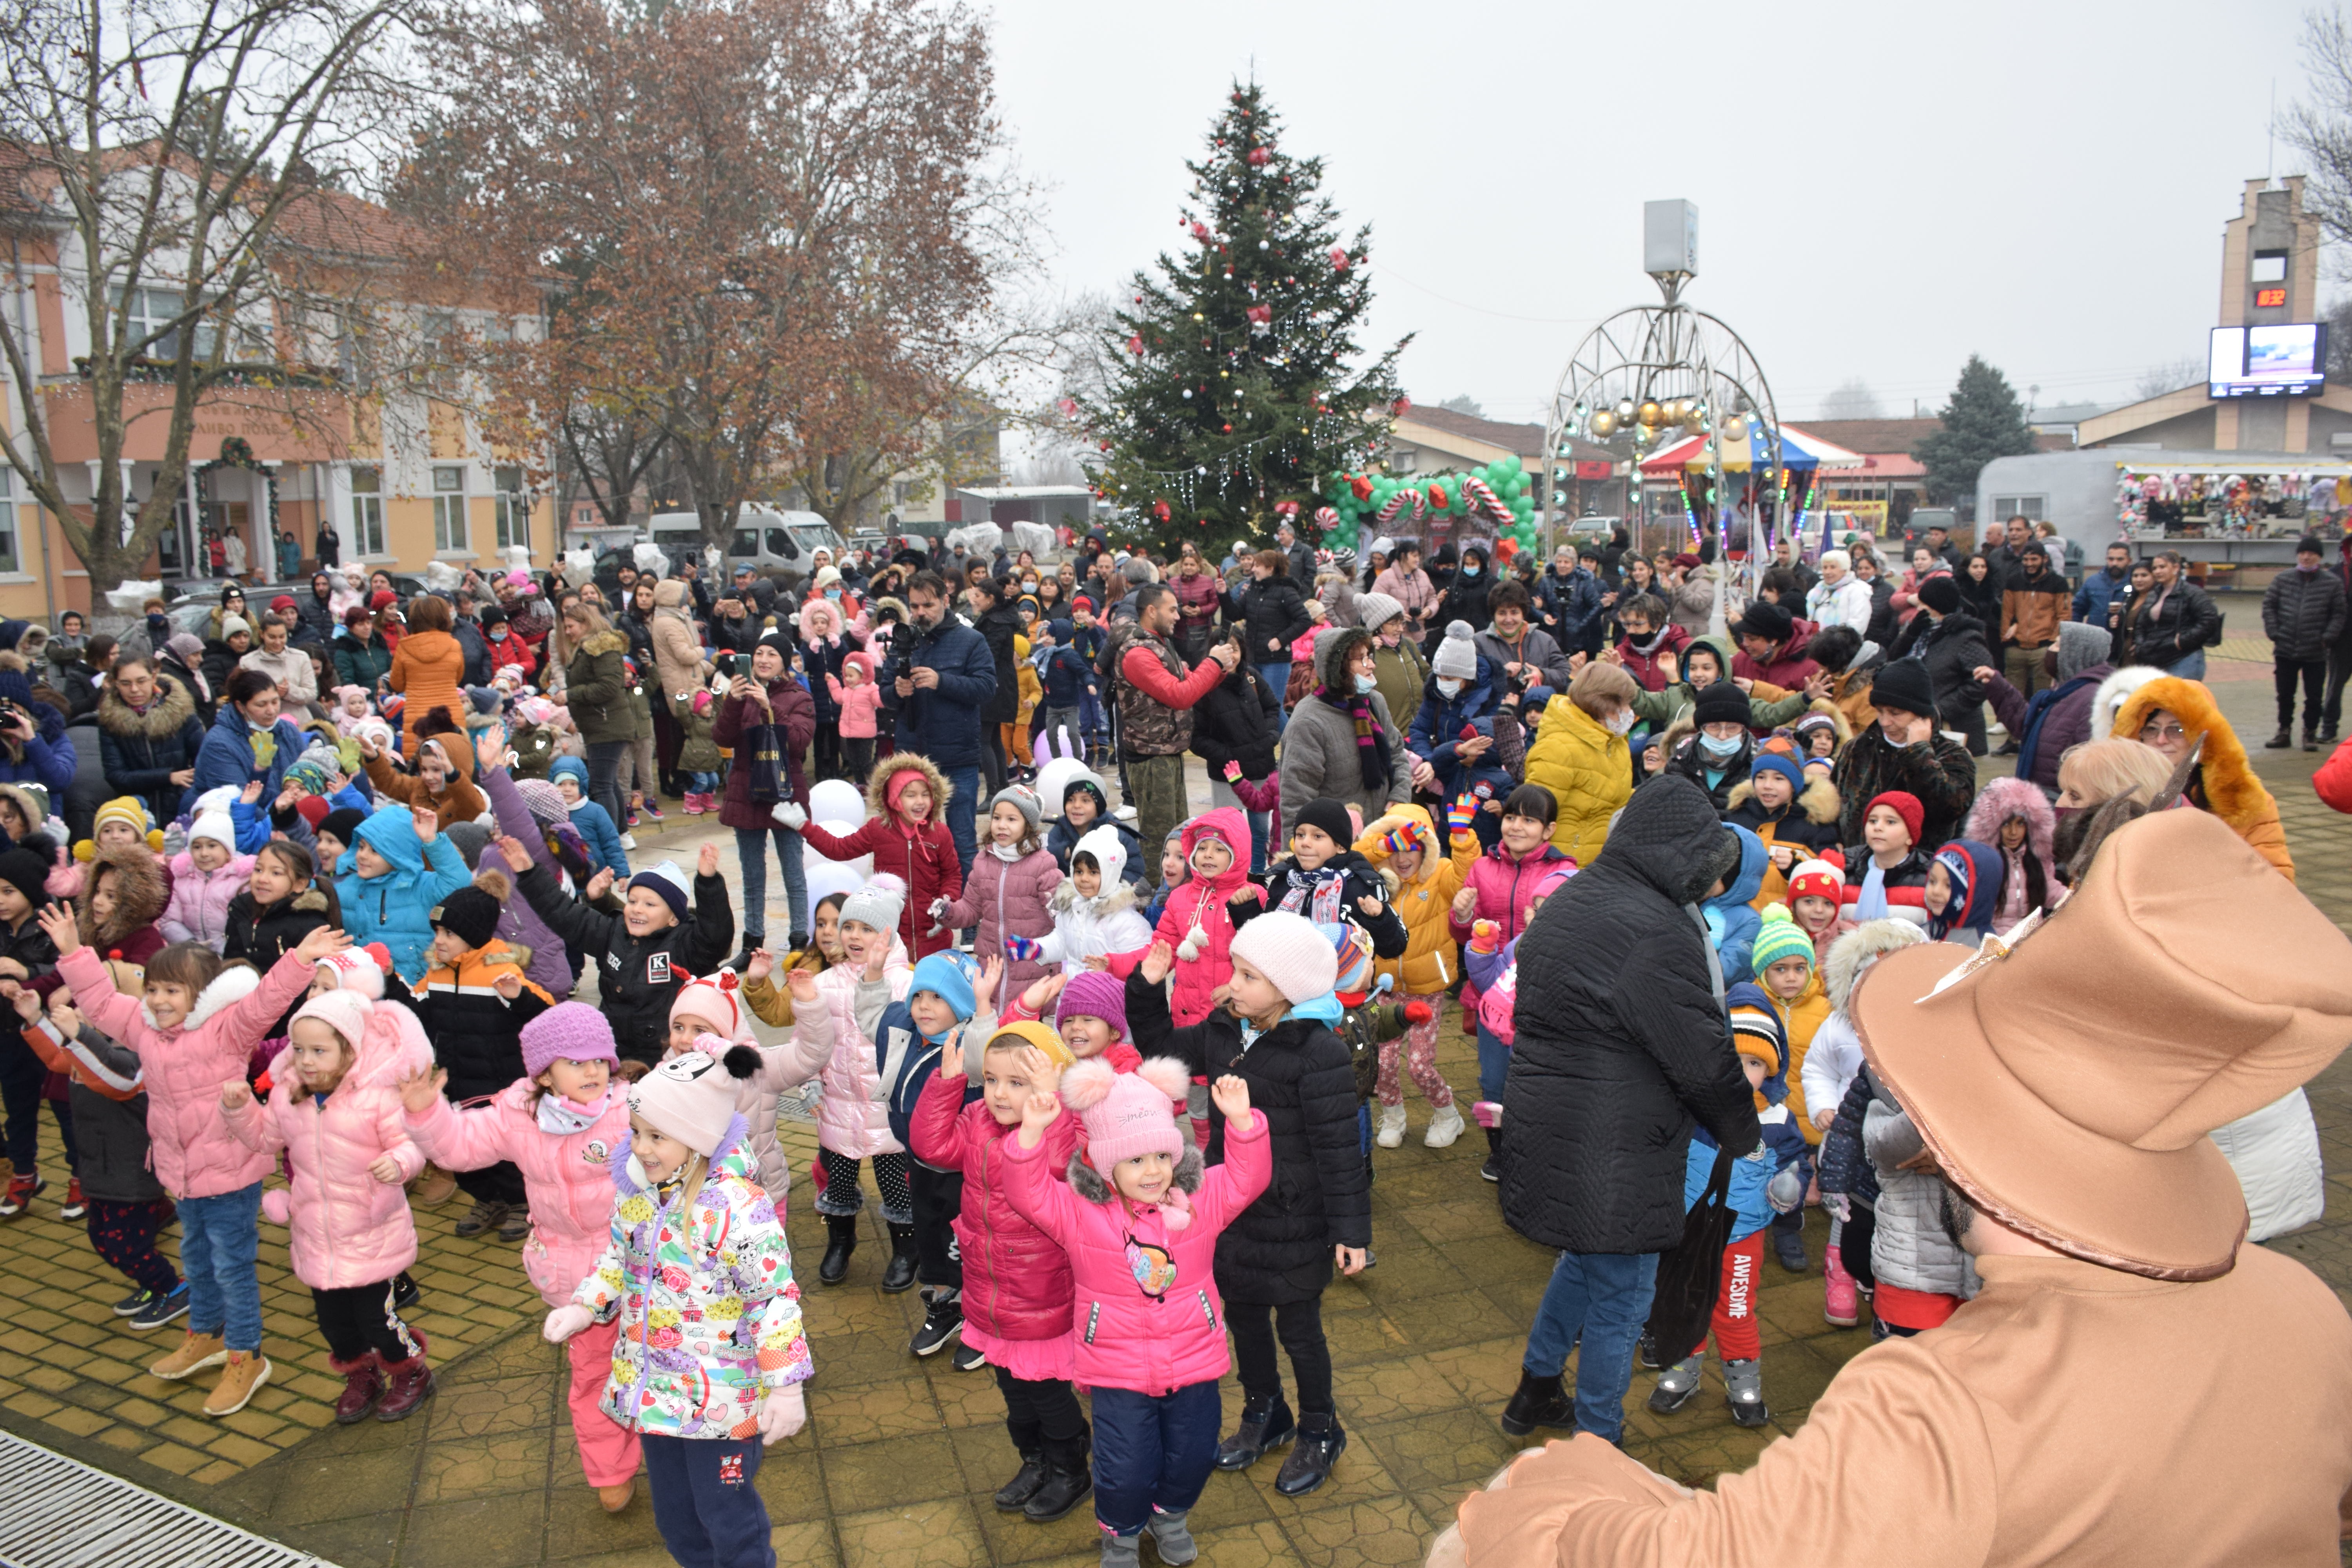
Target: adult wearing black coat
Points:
(1466, 595)
(1952, 644)
(149, 734)
(1622, 1044)
(1273, 610)
(998, 623)
(1239, 722)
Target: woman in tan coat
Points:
(679, 666)
(429, 665)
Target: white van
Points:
(763, 538)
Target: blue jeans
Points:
(219, 1238)
(1277, 677)
(704, 1505)
(963, 805)
(1152, 1453)
(701, 782)
(752, 849)
(2191, 668)
(1602, 1299)
(1494, 1065)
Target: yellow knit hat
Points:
(1037, 1034)
(127, 808)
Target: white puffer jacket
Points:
(2275, 1152)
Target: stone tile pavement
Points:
(900, 1455)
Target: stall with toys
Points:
(2236, 526)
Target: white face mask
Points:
(1451, 688)
(1620, 721)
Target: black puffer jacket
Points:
(261, 936)
(1622, 1040)
(1238, 722)
(1953, 649)
(2165, 634)
(1275, 611)
(2303, 615)
(1279, 1248)
(637, 978)
(998, 626)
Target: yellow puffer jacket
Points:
(1588, 773)
(1803, 1018)
(1431, 959)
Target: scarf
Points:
(1371, 736)
(1315, 894)
(1009, 853)
(560, 1117)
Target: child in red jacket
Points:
(906, 832)
(1016, 1281)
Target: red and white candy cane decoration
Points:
(1482, 497)
(1407, 499)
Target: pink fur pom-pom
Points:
(888, 883)
(1165, 1074)
(1176, 1209)
(1084, 1084)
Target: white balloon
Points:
(1053, 781)
(837, 800)
(837, 875)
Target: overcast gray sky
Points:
(1881, 189)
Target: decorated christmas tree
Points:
(1232, 399)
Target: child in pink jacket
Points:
(195, 1032)
(860, 701)
(334, 1110)
(204, 876)
(1197, 921)
(1491, 960)
(1139, 1223)
(560, 1124)
(1009, 892)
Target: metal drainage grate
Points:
(57, 1512)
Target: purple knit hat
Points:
(1095, 994)
(569, 1031)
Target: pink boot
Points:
(1842, 1304)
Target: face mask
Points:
(834, 593)
(1720, 749)
(1620, 721)
(1469, 571)
(1365, 685)
(1451, 688)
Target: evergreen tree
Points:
(1230, 390)
(1983, 421)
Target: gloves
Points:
(1023, 948)
(1397, 840)
(783, 1413)
(1458, 814)
(565, 1321)
(1233, 770)
(1484, 934)
(1838, 1206)
(791, 813)
(1786, 1190)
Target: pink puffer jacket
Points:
(1505, 884)
(1016, 1278)
(1008, 897)
(854, 1118)
(344, 1227)
(186, 1068)
(1198, 909)
(199, 908)
(567, 1177)
(1147, 1314)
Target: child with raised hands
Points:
(334, 1112)
(398, 867)
(1141, 1221)
(559, 1124)
(1087, 1010)
(195, 1029)
(1404, 844)
(708, 1351)
(906, 831)
(771, 1002)
(1013, 1310)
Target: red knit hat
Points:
(314, 809)
(1903, 804)
(1817, 879)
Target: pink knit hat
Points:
(569, 1031)
(359, 970)
(1127, 1114)
(345, 1012)
(691, 1098)
(718, 1003)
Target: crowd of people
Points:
(1099, 1053)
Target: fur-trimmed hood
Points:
(140, 894)
(805, 619)
(2003, 798)
(2230, 790)
(2114, 693)
(1858, 949)
(603, 642)
(877, 796)
(1333, 645)
(31, 802)
(229, 988)
(1818, 800)
(1113, 898)
(173, 707)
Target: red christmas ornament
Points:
(1439, 499)
(1339, 258)
(1260, 157)
(1160, 510)
(1069, 407)
(1229, 430)
(1362, 486)
(1200, 231)
(1401, 407)
(1260, 313)
(1135, 343)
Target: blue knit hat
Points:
(1787, 767)
(948, 976)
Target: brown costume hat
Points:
(2068, 1087)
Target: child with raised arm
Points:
(1140, 1221)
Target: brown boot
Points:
(616, 1497)
(406, 1385)
(195, 1352)
(434, 1186)
(240, 1380)
(362, 1386)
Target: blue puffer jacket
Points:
(47, 759)
(592, 822)
(225, 759)
(1731, 919)
(396, 909)
(1784, 1145)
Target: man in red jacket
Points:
(1156, 695)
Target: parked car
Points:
(763, 538)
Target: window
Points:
(449, 509)
(367, 512)
(150, 308)
(1404, 459)
(2270, 266)
(7, 519)
(513, 507)
(2027, 507)
(900, 489)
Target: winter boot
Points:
(2310, 741)
(240, 1380)
(434, 1186)
(1676, 1385)
(1538, 1402)
(197, 1354)
(487, 1214)
(2280, 742)
(1172, 1537)
(1490, 1117)
(362, 1386)
(1263, 1427)
(517, 1224)
(942, 1320)
(1789, 1247)
(1391, 1132)
(1840, 1302)
(1122, 1551)
(1320, 1442)
(1444, 1128)
(1743, 1383)
(407, 1383)
(898, 1274)
(1069, 1481)
(1014, 1495)
(841, 1232)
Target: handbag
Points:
(1689, 1277)
(764, 750)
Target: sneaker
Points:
(73, 1207)
(1392, 1130)
(1789, 1247)
(21, 1191)
(1677, 1386)
(132, 1302)
(516, 1225)
(240, 1380)
(1444, 1128)
(1743, 1383)
(159, 1311)
(968, 1358)
(196, 1352)
(629, 841)
(631, 822)
(653, 808)
(486, 1215)
(1173, 1537)
(941, 1322)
